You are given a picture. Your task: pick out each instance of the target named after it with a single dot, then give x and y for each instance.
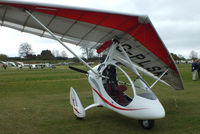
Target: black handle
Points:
(78, 70)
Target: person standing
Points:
(194, 69)
(198, 68)
(4, 66)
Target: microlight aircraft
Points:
(130, 43)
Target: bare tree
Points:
(88, 53)
(55, 53)
(193, 55)
(64, 54)
(25, 49)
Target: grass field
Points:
(37, 102)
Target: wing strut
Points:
(56, 38)
(130, 62)
(159, 78)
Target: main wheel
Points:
(147, 124)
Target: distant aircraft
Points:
(6, 64)
(66, 63)
(130, 43)
(41, 65)
(3, 64)
(9, 63)
(31, 66)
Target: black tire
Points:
(79, 118)
(100, 106)
(147, 124)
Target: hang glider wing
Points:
(90, 28)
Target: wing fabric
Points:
(90, 28)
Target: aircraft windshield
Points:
(118, 85)
(143, 90)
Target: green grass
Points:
(37, 102)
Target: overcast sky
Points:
(176, 21)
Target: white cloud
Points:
(11, 40)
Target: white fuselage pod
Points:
(138, 107)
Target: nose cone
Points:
(157, 112)
(153, 109)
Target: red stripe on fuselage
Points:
(119, 108)
(76, 110)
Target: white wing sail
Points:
(90, 28)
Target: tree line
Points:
(193, 55)
(26, 52)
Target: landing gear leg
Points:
(147, 124)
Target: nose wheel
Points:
(147, 124)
